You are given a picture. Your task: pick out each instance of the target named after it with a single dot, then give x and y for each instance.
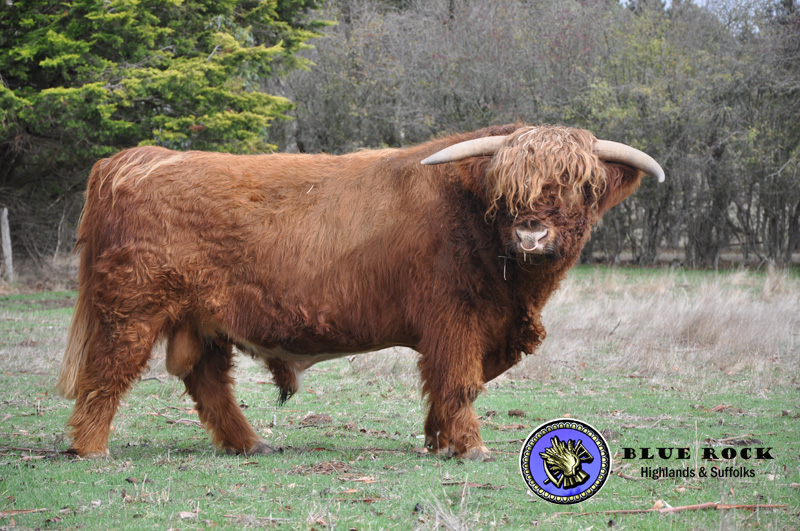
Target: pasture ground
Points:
(652, 358)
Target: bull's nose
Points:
(531, 240)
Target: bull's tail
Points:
(84, 324)
(83, 328)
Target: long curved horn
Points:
(616, 152)
(604, 149)
(487, 145)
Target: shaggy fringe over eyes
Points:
(545, 158)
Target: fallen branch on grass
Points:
(512, 441)
(475, 485)
(6, 514)
(43, 452)
(361, 500)
(748, 439)
(623, 475)
(659, 508)
(31, 450)
(185, 422)
(256, 519)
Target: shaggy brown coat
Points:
(296, 259)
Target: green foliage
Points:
(176, 73)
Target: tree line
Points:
(711, 91)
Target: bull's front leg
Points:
(452, 373)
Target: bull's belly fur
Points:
(304, 359)
(297, 358)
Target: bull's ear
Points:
(622, 181)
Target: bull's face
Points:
(558, 224)
(548, 233)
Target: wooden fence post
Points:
(6, 240)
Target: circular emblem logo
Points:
(565, 461)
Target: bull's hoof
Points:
(103, 454)
(478, 453)
(447, 451)
(260, 448)
(439, 446)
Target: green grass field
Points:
(652, 358)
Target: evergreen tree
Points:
(80, 79)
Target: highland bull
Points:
(451, 248)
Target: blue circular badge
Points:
(565, 461)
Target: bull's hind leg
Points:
(115, 360)
(210, 385)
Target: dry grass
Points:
(651, 324)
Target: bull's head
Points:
(550, 184)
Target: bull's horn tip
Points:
(616, 152)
